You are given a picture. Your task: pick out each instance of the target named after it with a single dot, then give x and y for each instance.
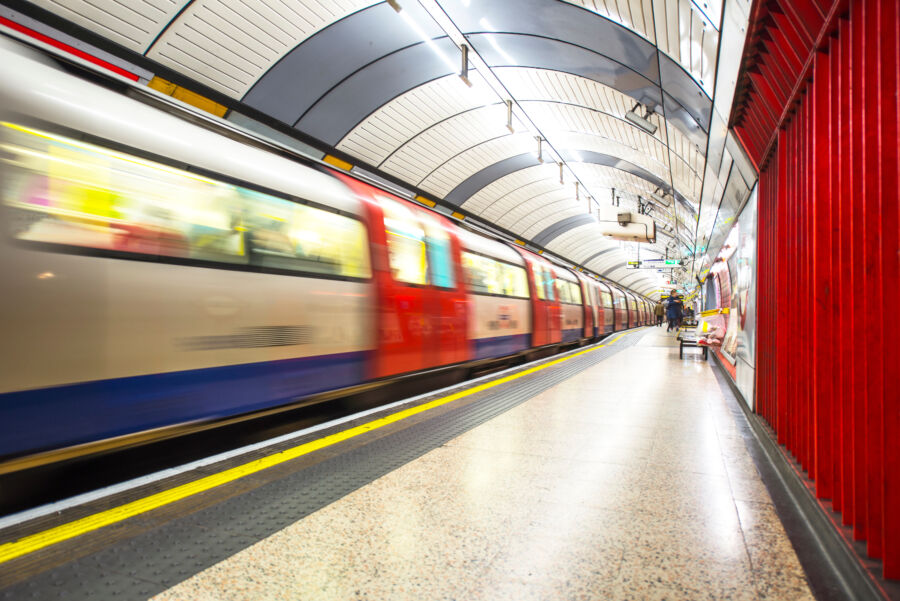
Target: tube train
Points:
(159, 273)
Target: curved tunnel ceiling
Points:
(383, 86)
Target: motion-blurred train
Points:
(158, 273)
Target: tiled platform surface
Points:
(627, 481)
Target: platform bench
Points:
(691, 341)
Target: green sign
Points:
(673, 261)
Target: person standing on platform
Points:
(674, 312)
(660, 312)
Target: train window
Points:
(548, 284)
(489, 276)
(406, 243)
(607, 299)
(538, 274)
(569, 292)
(67, 192)
(440, 256)
(564, 293)
(576, 293)
(515, 282)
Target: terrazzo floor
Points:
(627, 481)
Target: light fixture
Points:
(577, 197)
(464, 70)
(509, 124)
(540, 156)
(395, 5)
(660, 200)
(642, 122)
(561, 182)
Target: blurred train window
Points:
(564, 296)
(67, 192)
(440, 259)
(569, 292)
(406, 243)
(548, 284)
(575, 293)
(489, 276)
(607, 299)
(515, 281)
(538, 274)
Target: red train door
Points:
(620, 309)
(587, 298)
(446, 301)
(420, 309)
(546, 313)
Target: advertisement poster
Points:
(745, 299)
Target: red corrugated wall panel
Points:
(829, 249)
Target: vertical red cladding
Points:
(860, 282)
(851, 265)
(889, 56)
(793, 199)
(763, 347)
(888, 40)
(822, 329)
(838, 296)
(807, 290)
(874, 294)
(783, 334)
(801, 292)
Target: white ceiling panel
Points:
(437, 145)
(132, 23)
(460, 167)
(228, 44)
(545, 216)
(405, 117)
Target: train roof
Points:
(32, 88)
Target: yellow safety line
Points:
(63, 532)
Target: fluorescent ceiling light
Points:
(642, 122)
(660, 200)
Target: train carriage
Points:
(592, 310)
(163, 277)
(608, 322)
(620, 309)
(546, 313)
(500, 307)
(571, 302)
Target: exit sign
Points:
(673, 261)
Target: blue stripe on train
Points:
(50, 418)
(572, 335)
(498, 346)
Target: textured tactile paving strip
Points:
(167, 552)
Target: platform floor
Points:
(629, 480)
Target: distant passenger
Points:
(674, 312)
(660, 312)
